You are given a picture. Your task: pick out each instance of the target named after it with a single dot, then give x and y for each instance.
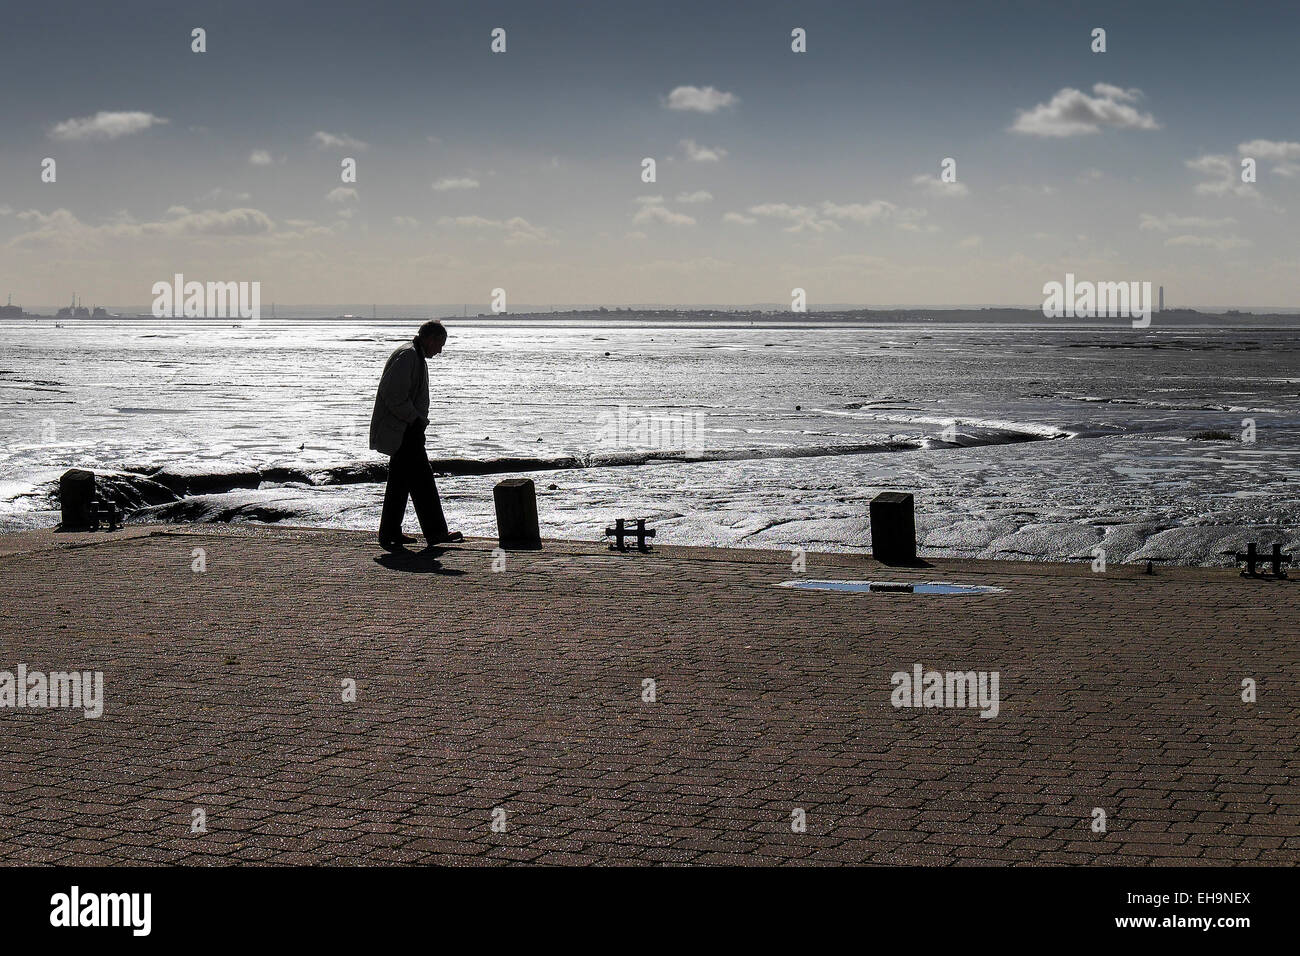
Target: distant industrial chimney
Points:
(1162, 299)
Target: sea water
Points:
(1038, 443)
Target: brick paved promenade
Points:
(523, 690)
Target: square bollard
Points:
(76, 499)
(893, 528)
(516, 503)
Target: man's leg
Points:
(424, 494)
(395, 494)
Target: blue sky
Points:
(818, 170)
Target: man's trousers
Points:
(409, 475)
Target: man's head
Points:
(432, 336)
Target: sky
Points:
(522, 170)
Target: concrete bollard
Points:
(76, 497)
(516, 503)
(893, 528)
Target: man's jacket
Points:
(403, 398)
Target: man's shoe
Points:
(451, 537)
(390, 544)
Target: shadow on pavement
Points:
(417, 562)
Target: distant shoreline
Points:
(745, 318)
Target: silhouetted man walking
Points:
(397, 429)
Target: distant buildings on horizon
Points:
(73, 311)
(77, 311)
(765, 312)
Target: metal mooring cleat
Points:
(620, 531)
(105, 511)
(1251, 557)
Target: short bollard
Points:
(516, 503)
(893, 528)
(77, 499)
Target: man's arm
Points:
(395, 387)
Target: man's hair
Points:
(435, 328)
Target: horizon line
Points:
(479, 310)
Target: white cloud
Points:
(1225, 177)
(699, 195)
(935, 186)
(1112, 92)
(1269, 149)
(1072, 112)
(1153, 223)
(700, 99)
(455, 182)
(970, 242)
(826, 216)
(519, 229)
(211, 222)
(1286, 154)
(516, 229)
(701, 154)
(61, 228)
(907, 220)
(801, 218)
(864, 213)
(260, 157)
(1213, 165)
(654, 213)
(104, 125)
(405, 222)
(472, 222)
(1210, 242)
(325, 140)
(341, 194)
